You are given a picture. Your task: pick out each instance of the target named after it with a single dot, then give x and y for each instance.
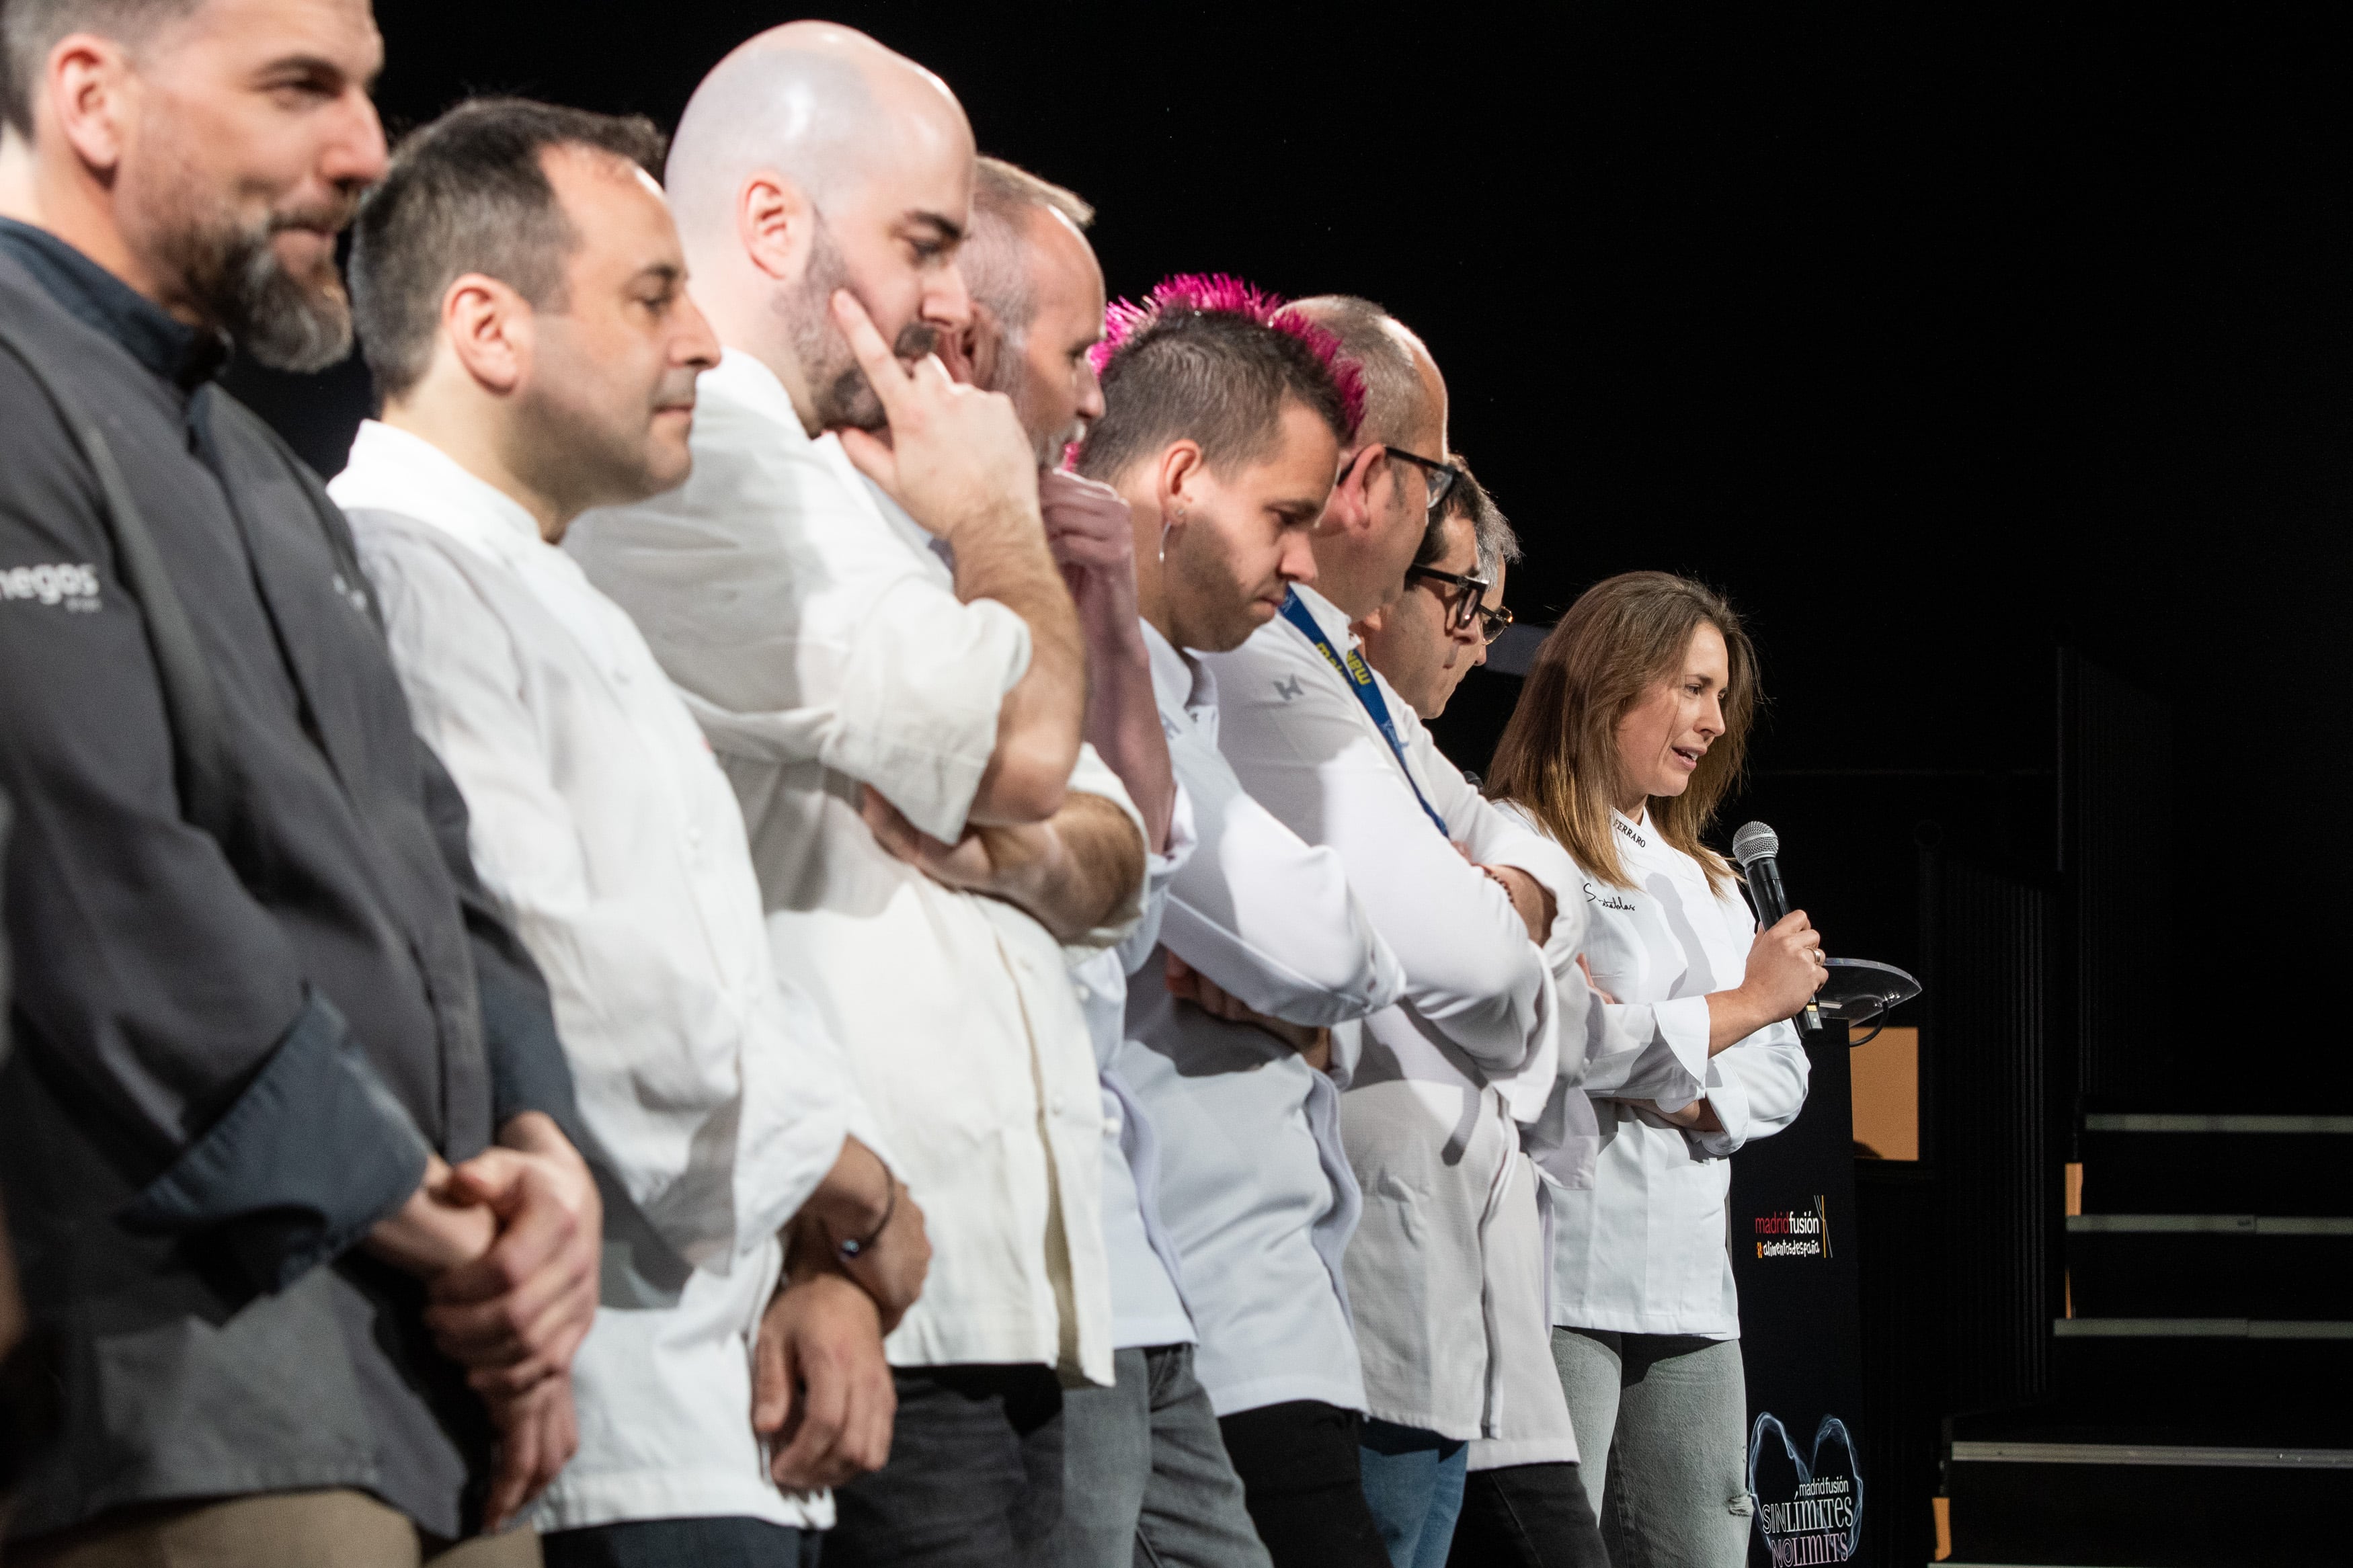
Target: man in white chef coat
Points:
(1436, 632)
(1446, 1272)
(1222, 431)
(1524, 1502)
(905, 736)
(1145, 1473)
(521, 296)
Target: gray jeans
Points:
(1147, 1480)
(1662, 1426)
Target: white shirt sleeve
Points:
(1648, 1050)
(1756, 1086)
(1159, 875)
(718, 1149)
(1267, 916)
(1471, 971)
(802, 628)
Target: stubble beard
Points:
(843, 398)
(1224, 618)
(581, 456)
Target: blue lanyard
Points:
(1360, 680)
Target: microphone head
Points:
(1753, 842)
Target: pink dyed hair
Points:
(1206, 292)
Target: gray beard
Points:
(244, 289)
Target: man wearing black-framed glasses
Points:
(1438, 629)
(1388, 489)
(1524, 1497)
(1439, 479)
(1484, 918)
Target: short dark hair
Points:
(1216, 377)
(1498, 543)
(469, 193)
(29, 29)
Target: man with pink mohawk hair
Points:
(880, 647)
(1224, 419)
(1446, 1268)
(1145, 1476)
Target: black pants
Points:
(1527, 1516)
(1302, 1484)
(681, 1543)
(975, 1478)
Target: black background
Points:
(1935, 336)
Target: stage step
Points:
(2160, 1163)
(2235, 1379)
(2209, 1264)
(2201, 1378)
(2201, 1328)
(2024, 1501)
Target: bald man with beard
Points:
(877, 641)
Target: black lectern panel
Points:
(1792, 1240)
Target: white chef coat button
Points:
(1054, 1104)
(1085, 993)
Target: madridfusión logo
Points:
(1795, 1232)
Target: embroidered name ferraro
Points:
(74, 587)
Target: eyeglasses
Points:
(1464, 597)
(1441, 476)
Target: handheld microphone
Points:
(1759, 849)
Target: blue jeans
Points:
(1413, 1483)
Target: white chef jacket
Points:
(819, 641)
(601, 822)
(1643, 1250)
(1446, 1269)
(1254, 1184)
(1147, 1309)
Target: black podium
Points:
(1792, 1241)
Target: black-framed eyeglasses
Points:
(1440, 475)
(1462, 595)
(1465, 597)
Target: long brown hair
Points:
(1558, 756)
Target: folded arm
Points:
(1269, 918)
(1072, 873)
(1471, 970)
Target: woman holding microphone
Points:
(1628, 732)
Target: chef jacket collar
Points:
(1328, 616)
(1179, 678)
(1641, 836)
(396, 470)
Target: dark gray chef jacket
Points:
(232, 1049)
